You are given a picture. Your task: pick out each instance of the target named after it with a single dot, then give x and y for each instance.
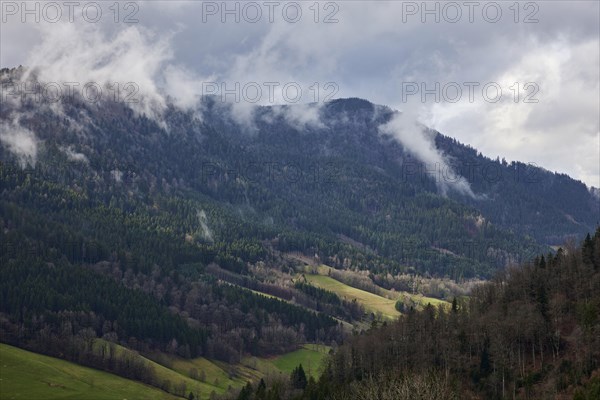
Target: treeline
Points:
(161, 250)
(219, 321)
(155, 184)
(78, 280)
(441, 288)
(516, 191)
(318, 293)
(52, 297)
(301, 294)
(62, 310)
(532, 332)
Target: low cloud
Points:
(560, 53)
(72, 155)
(134, 65)
(300, 116)
(20, 141)
(84, 54)
(205, 231)
(405, 128)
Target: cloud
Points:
(134, 65)
(117, 175)
(204, 229)
(20, 141)
(73, 155)
(369, 53)
(83, 54)
(300, 116)
(413, 136)
(183, 86)
(563, 121)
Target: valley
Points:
(134, 261)
(28, 375)
(372, 303)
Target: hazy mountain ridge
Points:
(187, 210)
(299, 165)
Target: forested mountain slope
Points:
(532, 332)
(317, 179)
(142, 228)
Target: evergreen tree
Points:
(261, 390)
(298, 378)
(246, 392)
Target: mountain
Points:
(155, 227)
(532, 332)
(307, 176)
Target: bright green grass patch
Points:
(310, 356)
(372, 302)
(25, 375)
(421, 300)
(164, 373)
(317, 269)
(424, 300)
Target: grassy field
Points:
(417, 298)
(424, 300)
(311, 356)
(25, 375)
(177, 370)
(385, 304)
(372, 302)
(218, 374)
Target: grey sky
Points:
(381, 51)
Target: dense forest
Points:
(156, 235)
(532, 332)
(339, 188)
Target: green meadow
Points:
(372, 302)
(25, 375)
(386, 306)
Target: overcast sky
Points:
(443, 61)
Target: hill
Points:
(146, 230)
(340, 182)
(27, 375)
(531, 332)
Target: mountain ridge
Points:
(339, 131)
(191, 212)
